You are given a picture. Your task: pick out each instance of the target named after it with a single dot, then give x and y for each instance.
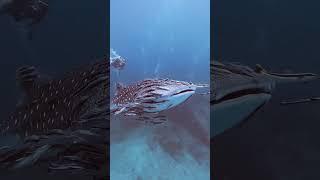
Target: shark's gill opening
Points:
(240, 93)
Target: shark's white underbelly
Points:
(230, 113)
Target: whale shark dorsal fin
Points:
(28, 79)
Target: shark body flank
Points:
(59, 103)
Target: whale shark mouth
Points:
(182, 92)
(240, 93)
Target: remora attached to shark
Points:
(151, 96)
(238, 91)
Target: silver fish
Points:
(151, 96)
(238, 91)
(58, 142)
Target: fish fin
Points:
(130, 114)
(26, 78)
(29, 35)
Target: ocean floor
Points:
(177, 149)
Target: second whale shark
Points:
(238, 91)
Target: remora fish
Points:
(60, 103)
(151, 96)
(238, 91)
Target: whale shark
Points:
(59, 120)
(238, 91)
(25, 13)
(59, 103)
(116, 61)
(151, 96)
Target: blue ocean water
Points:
(162, 39)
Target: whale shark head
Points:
(238, 91)
(151, 96)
